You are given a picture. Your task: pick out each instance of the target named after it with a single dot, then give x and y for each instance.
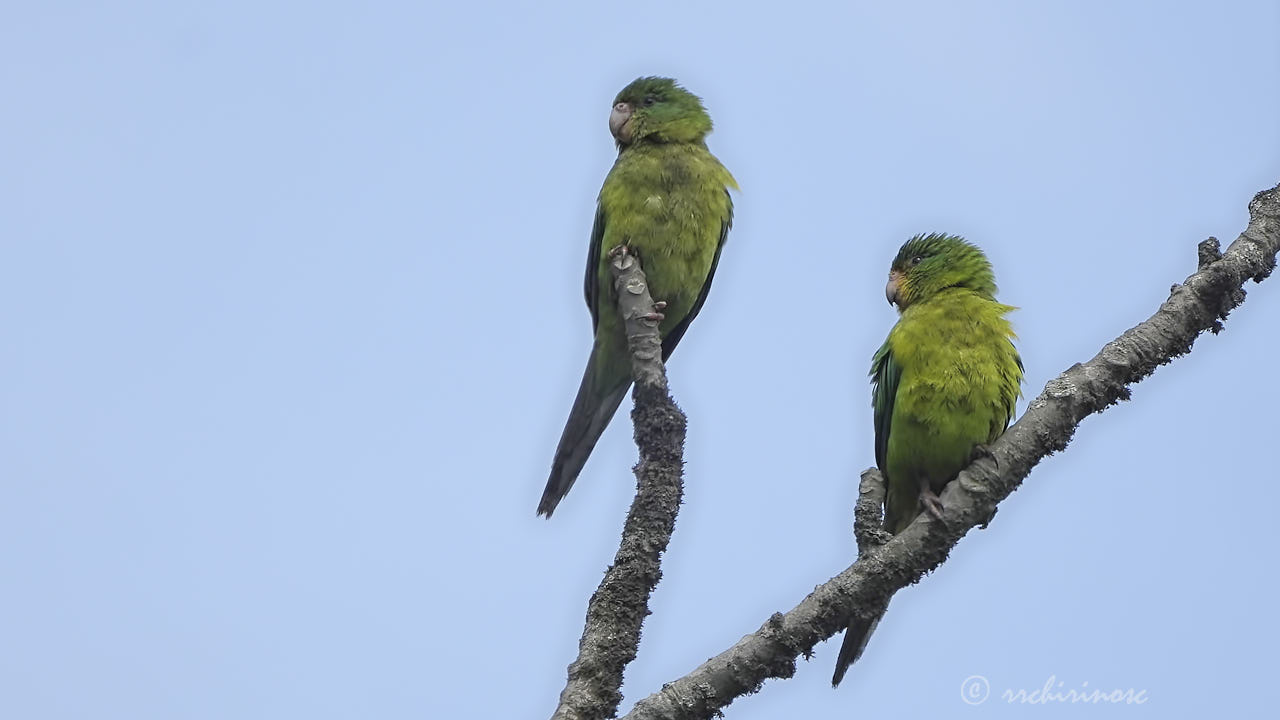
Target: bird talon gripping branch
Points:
(932, 504)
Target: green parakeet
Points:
(943, 384)
(667, 199)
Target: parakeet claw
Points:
(982, 451)
(656, 315)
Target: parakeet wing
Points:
(677, 332)
(1011, 398)
(591, 285)
(885, 374)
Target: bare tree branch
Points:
(619, 606)
(868, 513)
(1198, 304)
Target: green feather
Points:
(885, 374)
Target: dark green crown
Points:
(934, 262)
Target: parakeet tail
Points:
(855, 641)
(592, 409)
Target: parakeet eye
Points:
(650, 101)
(916, 260)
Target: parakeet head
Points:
(928, 264)
(656, 109)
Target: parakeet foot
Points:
(931, 503)
(623, 250)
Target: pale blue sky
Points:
(291, 300)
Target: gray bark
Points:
(621, 602)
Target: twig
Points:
(1198, 304)
(619, 606)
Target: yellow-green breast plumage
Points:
(669, 203)
(960, 380)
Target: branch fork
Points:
(621, 602)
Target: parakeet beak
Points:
(620, 122)
(891, 289)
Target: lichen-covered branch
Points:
(1198, 304)
(619, 606)
(868, 513)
